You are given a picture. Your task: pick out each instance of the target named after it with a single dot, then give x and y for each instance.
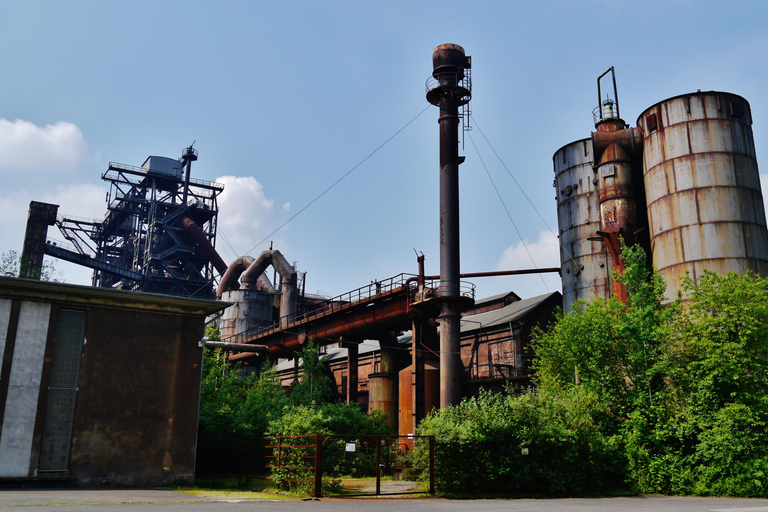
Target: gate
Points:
(349, 465)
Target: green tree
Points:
(542, 443)
(314, 385)
(232, 404)
(710, 436)
(611, 348)
(10, 263)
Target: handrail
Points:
(139, 170)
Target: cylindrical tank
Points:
(383, 396)
(584, 261)
(250, 308)
(705, 205)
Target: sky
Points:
(285, 98)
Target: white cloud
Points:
(24, 145)
(79, 200)
(545, 253)
(287, 207)
(245, 213)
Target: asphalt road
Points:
(59, 500)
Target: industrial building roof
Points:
(72, 294)
(496, 298)
(510, 313)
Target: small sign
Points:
(350, 447)
(608, 170)
(524, 451)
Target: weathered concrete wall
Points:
(22, 393)
(136, 420)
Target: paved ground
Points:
(60, 500)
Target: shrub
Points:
(539, 443)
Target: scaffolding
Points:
(158, 234)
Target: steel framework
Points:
(158, 234)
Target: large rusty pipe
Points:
(238, 347)
(615, 149)
(289, 289)
(229, 280)
(201, 240)
(494, 273)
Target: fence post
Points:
(318, 465)
(378, 465)
(279, 453)
(432, 465)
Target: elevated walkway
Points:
(378, 307)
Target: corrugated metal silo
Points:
(585, 263)
(705, 206)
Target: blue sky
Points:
(284, 98)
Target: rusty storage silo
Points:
(705, 205)
(584, 260)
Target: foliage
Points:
(10, 263)
(646, 396)
(709, 435)
(612, 349)
(232, 404)
(315, 384)
(539, 443)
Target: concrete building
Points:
(98, 386)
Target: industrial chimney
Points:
(449, 88)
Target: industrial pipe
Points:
(229, 280)
(449, 63)
(289, 288)
(238, 347)
(199, 237)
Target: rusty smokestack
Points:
(449, 89)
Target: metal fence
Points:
(349, 465)
(230, 463)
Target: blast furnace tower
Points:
(158, 234)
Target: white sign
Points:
(350, 447)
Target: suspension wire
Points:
(525, 246)
(226, 241)
(559, 242)
(340, 179)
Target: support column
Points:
(352, 365)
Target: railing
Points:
(69, 246)
(462, 81)
(333, 305)
(79, 220)
(139, 170)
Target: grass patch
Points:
(228, 494)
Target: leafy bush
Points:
(539, 443)
(685, 384)
(330, 419)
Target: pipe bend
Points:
(235, 269)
